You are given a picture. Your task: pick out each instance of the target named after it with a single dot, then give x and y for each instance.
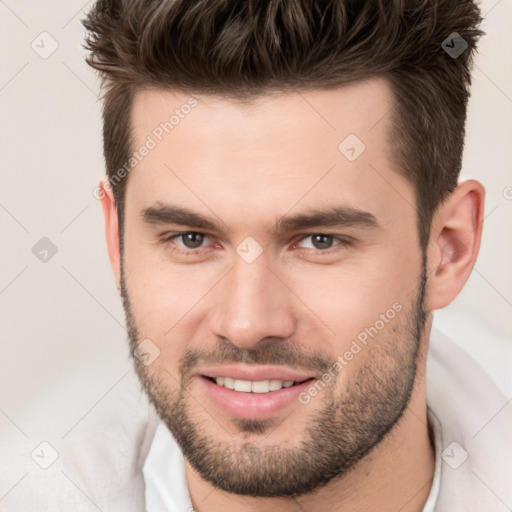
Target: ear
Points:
(109, 208)
(454, 243)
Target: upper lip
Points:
(255, 373)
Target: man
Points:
(283, 215)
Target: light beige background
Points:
(63, 345)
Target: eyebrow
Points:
(341, 216)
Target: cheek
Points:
(161, 297)
(344, 301)
(163, 304)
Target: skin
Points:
(248, 165)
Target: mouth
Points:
(253, 393)
(254, 386)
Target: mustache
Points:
(270, 352)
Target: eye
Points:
(192, 240)
(189, 240)
(322, 247)
(320, 241)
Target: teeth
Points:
(257, 386)
(276, 385)
(243, 385)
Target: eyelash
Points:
(343, 242)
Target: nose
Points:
(253, 304)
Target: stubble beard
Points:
(346, 429)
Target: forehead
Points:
(360, 108)
(268, 153)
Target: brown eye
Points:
(322, 241)
(192, 240)
(318, 241)
(322, 245)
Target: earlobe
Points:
(454, 243)
(110, 216)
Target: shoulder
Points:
(70, 460)
(476, 421)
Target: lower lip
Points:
(253, 406)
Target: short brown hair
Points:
(245, 48)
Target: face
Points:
(272, 264)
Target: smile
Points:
(254, 386)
